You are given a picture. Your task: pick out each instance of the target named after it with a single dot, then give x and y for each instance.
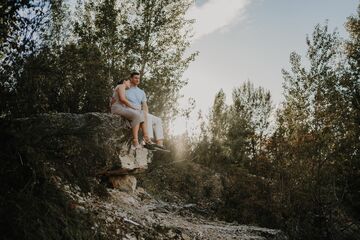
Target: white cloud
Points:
(216, 15)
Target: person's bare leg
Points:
(135, 132)
(143, 127)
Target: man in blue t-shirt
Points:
(152, 123)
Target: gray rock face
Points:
(82, 145)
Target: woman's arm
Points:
(121, 92)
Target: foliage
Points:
(69, 60)
(301, 174)
(33, 205)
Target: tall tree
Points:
(161, 35)
(249, 119)
(108, 24)
(310, 138)
(350, 86)
(21, 24)
(218, 119)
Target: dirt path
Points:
(139, 216)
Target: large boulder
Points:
(81, 145)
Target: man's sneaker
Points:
(161, 148)
(148, 145)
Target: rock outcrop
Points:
(80, 145)
(86, 160)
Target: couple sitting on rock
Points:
(129, 101)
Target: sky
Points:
(240, 40)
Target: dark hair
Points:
(134, 73)
(122, 81)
